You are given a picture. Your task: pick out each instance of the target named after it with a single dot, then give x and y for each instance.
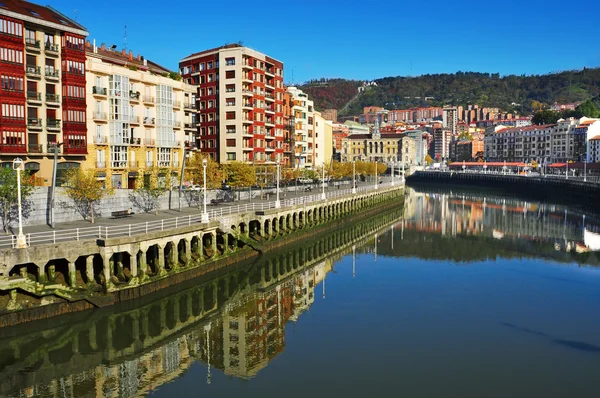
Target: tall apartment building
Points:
(450, 119)
(304, 121)
(135, 114)
(42, 92)
(441, 140)
(240, 101)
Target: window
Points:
(11, 55)
(211, 77)
(11, 28)
(230, 142)
(211, 104)
(231, 156)
(210, 65)
(210, 91)
(230, 88)
(11, 83)
(229, 61)
(230, 129)
(230, 102)
(230, 115)
(230, 74)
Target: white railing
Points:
(105, 232)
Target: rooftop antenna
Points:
(125, 38)
(75, 14)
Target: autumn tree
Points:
(428, 160)
(239, 175)
(8, 196)
(85, 190)
(194, 171)
(150, 186)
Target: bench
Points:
(215, 202)
(120, 214)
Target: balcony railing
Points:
(51, 48)
(192, 125)
(34, 122)
(35, 148)
(176, 104)
(52, 73)
(100, 115)
(135, 96)
(134, 164)
(148, 120)
(148, 99)
(100, 164)
(32, 70)
(34, 96)
(32, 43)
(13, 148)
(149, 163)
(190, 105)
(100, 139)
(149, 142)
(99, 90)
(53, 123)
(135, 141)
(134, 119)
(176, 123)
(52, 98)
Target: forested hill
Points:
(460, 88)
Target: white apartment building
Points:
(304, 134)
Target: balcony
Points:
(134, 96)
(32, 45)
(99, 91)
(33, 71)
(34, 123)
(134, 164)
(148, 99)
(34, 97)
(52, 74)
(101, 140)
(148, 121)
(135, 141)
(247, 105)
(270, 109)
(100, 164)
(149, 163)
(270, 71)
(175, 163)
(149, 142)
(53, 99)
(118, 164)
(51, 49)
(192, 125)
(99, 116)
(13, 148)
(53, 124)
(247, 65)
(35, 148)
(177, 104)
(134, 119)
(190, 105)
(177, 124)
(247, 93)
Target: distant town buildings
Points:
(330, 114)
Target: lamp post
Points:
(185, 152)
(21, 240)
(354, 176)
(204, 214)
(323, 193)
(376, 185)
(277, 202)
(567, 170)
(585, 170)
(56, 148)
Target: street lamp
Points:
(484, 166)
(21, 240)
(376, 186)
(354, 176)
(204, 214)
(323, 193)
(585, 170)
(185, 153)
(57, 146)
(567, 170)
(277, 202)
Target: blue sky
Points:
(357, 40)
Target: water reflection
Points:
(234, 322)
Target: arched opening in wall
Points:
(267, 229)
(195, 245)
(243, 228)
(98, 269)
(295, 220)
(170, 256)
(274, 226)
(254, 229)
(196, 305)
(207, 240)
(275, 268)
(152, 260)
(210, 294)
(281, 225)
(154, 321)
(310, 216)
(170, 313)
(122, 341)
(220, 243)
(57, 272)
(184, 311)
(182, 256)
(301, 219)
(28, 271)
(121, 267)
(288, 222)
(232, 242)
(81, 278)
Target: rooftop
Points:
(48, 16)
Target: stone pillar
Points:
(41, 274)
(214, 242)
(133, 264)
(143, 266)
(176, 310)
(226, 292)
(160, 261)
(215, 292)
(144, 324)
(225, 243)
(163, 315)
(119, 266)
(89, 269)
(92, 337)
(72, 274)
(106, 270)
(188, 306)
(188, 249)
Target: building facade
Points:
(43, 93)
(240, 102)
(136, 116)
(303, 113)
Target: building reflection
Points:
(234, 323)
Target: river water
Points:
(462, 294)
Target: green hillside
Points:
(461, 88)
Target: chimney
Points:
(123, 52)
(139, 57)
(103, 46)
(130, 55)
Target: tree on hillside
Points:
(85, 190)
(545, 117)
(150, 186)
(587, 109)
(9, 199)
